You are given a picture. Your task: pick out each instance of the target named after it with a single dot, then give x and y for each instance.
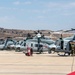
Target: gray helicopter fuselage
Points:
(6, 43)
(44, 45)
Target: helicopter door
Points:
(38, 47)
(31, 45)
(23, 46)
(62, 44)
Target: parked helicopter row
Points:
(39, 44)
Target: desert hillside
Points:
(4, 33)
(20, 34)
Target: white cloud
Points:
(5, 8)
(59, 5)
(15, 9)
(35, 11)
(35, 0)
(6, 19)
(1, 7)
(27, 3)
(9, 9)
(22, 3)
(39, 11)
(68, 14)
(72, 4)
(65, 8)
(16, 3)
(51, 4)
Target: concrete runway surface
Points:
(16, 63)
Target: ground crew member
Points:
(29, 52)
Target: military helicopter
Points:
(38, 43)
(4, 44)
(63, 46)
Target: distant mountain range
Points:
(4, 33)
(20, 33)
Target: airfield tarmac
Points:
(16, 63)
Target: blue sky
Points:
(37, 14)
